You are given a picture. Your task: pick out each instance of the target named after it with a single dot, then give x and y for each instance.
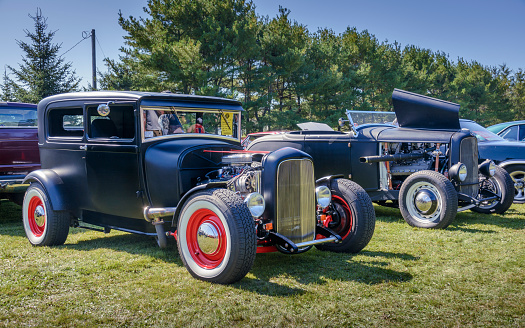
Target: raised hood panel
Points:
(421, 112)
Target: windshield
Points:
(163, 121)
(480, 132)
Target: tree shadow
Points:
(463, 219)
(313, 267)
(318, 268)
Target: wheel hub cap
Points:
(208, 238)
(40, 216)
(426, 202)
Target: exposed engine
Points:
(242, 172)
(424, 160)
(404, 159)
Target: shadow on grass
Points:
(512, 219)
(311, 268)
(129, 243)
(317, 268)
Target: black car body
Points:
(164, 165)
(427, 163)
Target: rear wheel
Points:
(517, 173)
(427, 199)
(216, 236)
(43, 225)
(500, 184)
(353, 217)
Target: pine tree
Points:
(43, 73)
(6, 89)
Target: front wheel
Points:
(216, 236)
(500, 184)
(427, 199)
(43, 225)
(353, 217)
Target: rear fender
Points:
(53, 185)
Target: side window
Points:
(118, 124)
(511, 133)
(66, 122)
(522, 133)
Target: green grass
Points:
(472, 274)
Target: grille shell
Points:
(295, 200)
(468, 155)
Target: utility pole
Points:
(94, 59)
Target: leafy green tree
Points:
(43, 73)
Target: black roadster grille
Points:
(469, 157)
(296, 200)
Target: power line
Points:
(83, 38)
(100, 46)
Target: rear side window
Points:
(510, 133)
(66, 122)
(17, 117)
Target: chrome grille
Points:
(295, 200)
(469, 156)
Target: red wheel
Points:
(36, 215)
(206, 238)
(352, 217)
(43, 225)
(216, 236)
(341, 220)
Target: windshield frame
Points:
(192, 112)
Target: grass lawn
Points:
(471, 274)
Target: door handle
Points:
(83, 147)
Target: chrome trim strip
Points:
(317, 241)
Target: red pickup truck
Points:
(18, 148)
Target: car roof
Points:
(506, 124)
(135, 96)
(16, 104)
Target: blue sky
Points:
(490, 32)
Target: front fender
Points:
(53, 185)
(189, 194)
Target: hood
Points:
(501, 150)
(416, 111)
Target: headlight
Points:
(255, 203)
(323, 195)
(487, 168)
(458, 172)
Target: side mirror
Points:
(103, 109)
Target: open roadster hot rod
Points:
(427, 165)
(170, 165)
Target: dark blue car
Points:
(509, 155)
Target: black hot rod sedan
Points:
(427, 165)
(169, 165)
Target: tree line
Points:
(284, 74)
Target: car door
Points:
(112, 165)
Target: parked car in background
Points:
(18, 148)
(512, 131)
(125, 161)
(509, 155)
(427, 165)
